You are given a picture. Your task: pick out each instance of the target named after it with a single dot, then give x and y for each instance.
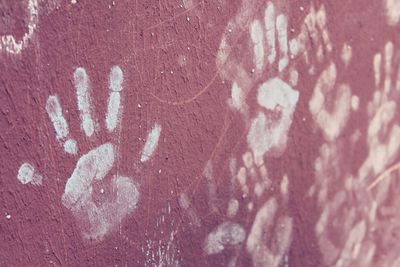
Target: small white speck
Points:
(159, 171)
(152, 34)
(139, 106)
(102, 190)
(187, 18)
(253, 70)
(304, 119)
(73, 2)
(301, 8)
(172, 72)
(292, 30)
(229, 30)
(8, 216)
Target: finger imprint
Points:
(81, 80)
(281, 26)
(54, 110)
(269, 21)
(151, 143)
(114, 100)
(257, 38)
(28, 174)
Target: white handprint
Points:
(119, 193)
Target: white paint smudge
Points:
(151, 143)
(82, 87)
(347, 54)
(27, 174)
(9, 44)
(262, 223)
(257, 37)
(226, 234)
(185, 204)
(233, 207)
(212, 187)
(285, 185)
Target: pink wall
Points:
(199, 133)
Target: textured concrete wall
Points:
(199, 133)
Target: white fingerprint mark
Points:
(82, 86)
(151, 143)
(8, 42)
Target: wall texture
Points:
(199, 133)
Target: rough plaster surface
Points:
(322, 192)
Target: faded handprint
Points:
(269, 76)
(358, 214)
(120, 194)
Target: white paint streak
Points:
(347, 54)
(257, 37)
(226, 234)
(27, 174)
(54, 111)
(151, 143)
(9, 44)
(82, 87)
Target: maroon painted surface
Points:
(144, 38)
